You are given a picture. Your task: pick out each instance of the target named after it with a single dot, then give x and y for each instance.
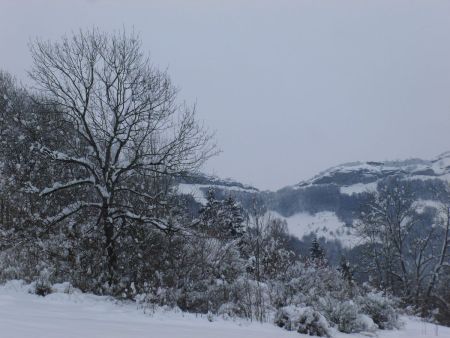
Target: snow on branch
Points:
(59, 156)
(156, 222)
(61, 186)
(70, 210)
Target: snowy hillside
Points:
(198, 191)
(76, 315)
(326, 204)
(357, 177)
(323, 224)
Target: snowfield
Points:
(324, 224)
(358, 188)
(77, 315)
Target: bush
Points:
(42, 288)
(346, 315)
(381, 309)
(229, 310)
(251, 299)
(304, 320)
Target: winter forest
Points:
(92, 156)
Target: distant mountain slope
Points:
(349, 174)
(326, 204)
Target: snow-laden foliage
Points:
(381, 309)
(304, 320)
(346, 315)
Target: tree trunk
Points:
(2, 212)
(110, 248)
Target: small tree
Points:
(316, 252)
(233, 217)
(346, 271)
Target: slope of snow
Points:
(441, 164)
(438, 167)
(198, 191)
(322, 224)
(420, 205)
(194, 190)
(358, 188)
(77, 315)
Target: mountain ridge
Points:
(413, 165)
(327, 204)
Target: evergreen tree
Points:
(233, 217)
(316, 252)
(222, 219)
(346, 270)
(208, 213)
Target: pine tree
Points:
(346, 270)
(208, 213)
(233, 217)
(222, 219)
(316, 252)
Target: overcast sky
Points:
(291, 87)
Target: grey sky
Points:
(291, 87)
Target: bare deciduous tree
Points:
(407, 243)
(441, 259)
(385, 225)
(128, 128)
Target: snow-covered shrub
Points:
(381, 309)
(152, 298)
(8, 268)
(229, 310)
(65, 287)
(278, 293)
(24, 262)
(309, 283)
(365, 323)
(313, 323)
(285, 317)
(43, 286)
(304, 320)
(251, 299)
(345, 315)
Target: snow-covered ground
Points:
(77, 315)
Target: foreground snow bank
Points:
(77, 315)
